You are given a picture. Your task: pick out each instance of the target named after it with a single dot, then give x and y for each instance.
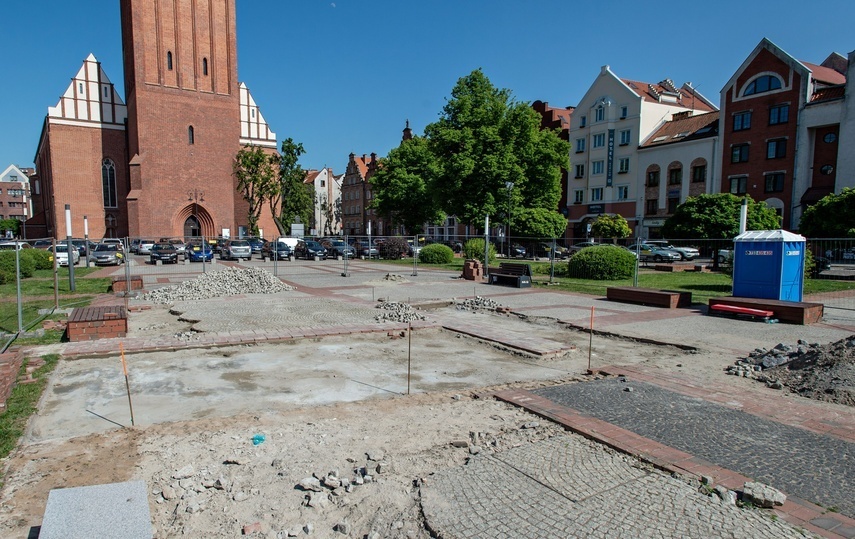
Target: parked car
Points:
(180, 247)
(275, 250)
(310, 249)
(337, 247)
(363, 248)
(647, 252)
(725, 256)
(581, 245)
(820, 264)
(13, 245)
(81, 245)
(134, 245)
(199, 252)
(235, 250)
(514, 251)
(60, 252)
(107, 254)
(686, 253)
(255, 244)
(42, 244)
(544, 250)
(144, 247)
(113, 241)
(164, 252)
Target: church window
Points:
(191, 135)
(205, 66)
(169, 60)
(108, 183)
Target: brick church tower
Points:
(159, 163)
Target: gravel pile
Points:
(216, 284)
(824, 372)
(478, 304)
(397, 312)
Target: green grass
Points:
(22, 404)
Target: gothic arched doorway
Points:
(192, 227)
(194, 221)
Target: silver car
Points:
(647, 252)
(686, 253)
(235, 250)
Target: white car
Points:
(144, 247)
(61, 254)
(686, 253)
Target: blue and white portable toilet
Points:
(769, 264)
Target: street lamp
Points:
(510, 186)
(69, 247)
(195, 196)
(86, 238)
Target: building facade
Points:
(781, 133)
(615, 117)
(356, 195)
(159, 162)
(328, 210)
(15, 200)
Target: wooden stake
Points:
(127, 384)
(591, 340)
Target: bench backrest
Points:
(515, 269)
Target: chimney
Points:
(681, 115)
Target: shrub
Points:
(42, 259)
(7, 266)
(474, 249)
(436, 253)
(602, 263)
(395, 247)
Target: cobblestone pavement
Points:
(567, 486)
(811, 466)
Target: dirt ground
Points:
(207, 478)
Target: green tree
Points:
(483, 140)
(292, 197)
(831, 217)
(610, 226)
(717, 216)
(13, 225)
(402, 186)
(256, 172)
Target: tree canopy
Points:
(610, 226)
(831, 217)
(485, 140)
(257, 174)
(293, 198)
(716, 217)
(402, 186)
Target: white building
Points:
(327, 186)
(612, 120)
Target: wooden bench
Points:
(670, 299)
(91, 323)
(511, 274)
(795, 312)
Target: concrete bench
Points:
(510, 274)
(670, 299)
(795, 312)
(92, 323)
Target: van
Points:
(290, 242)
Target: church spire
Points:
(408, 133)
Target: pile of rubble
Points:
(478, 304)
(216, 284)
(820, 372)
(393, 311)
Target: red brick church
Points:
(158, 163)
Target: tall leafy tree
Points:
(831, 217)
(291, 197)
(257, 174)
(402, 186)
(483, 140)
(716, 217)
(610, 226)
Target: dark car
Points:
(255, 244)
(275, 250)
(166, 253)
(337, 247)
(363, 248)
(107, 254)
(310, 249)
(197, 251)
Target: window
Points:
(779, 114)
(622, 192)
(323, 183)
(624, 137)
(205, 66)
(829, 138)
(578, 196)
(106, 92)
(580, 145)
(600, 114)
(775, 182)
(652, 206)
(739, 153)
(623, 165)
(673, 202)
(80, 88)
(739, 185)
(15, 192)
(597, 167)
(624, 112)
(776, 149)
(191, 135)
(653, 178)
(675, 176)
(169, 60)
(596, 194)
(583, 121)
(699, 173)
(599, 140)
(580, 171)
(762, 84)
(742, 121)
(108, 183)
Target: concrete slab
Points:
(114, 510)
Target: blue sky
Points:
(344, 76)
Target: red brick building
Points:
(160, 162)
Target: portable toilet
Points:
(769, 264)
